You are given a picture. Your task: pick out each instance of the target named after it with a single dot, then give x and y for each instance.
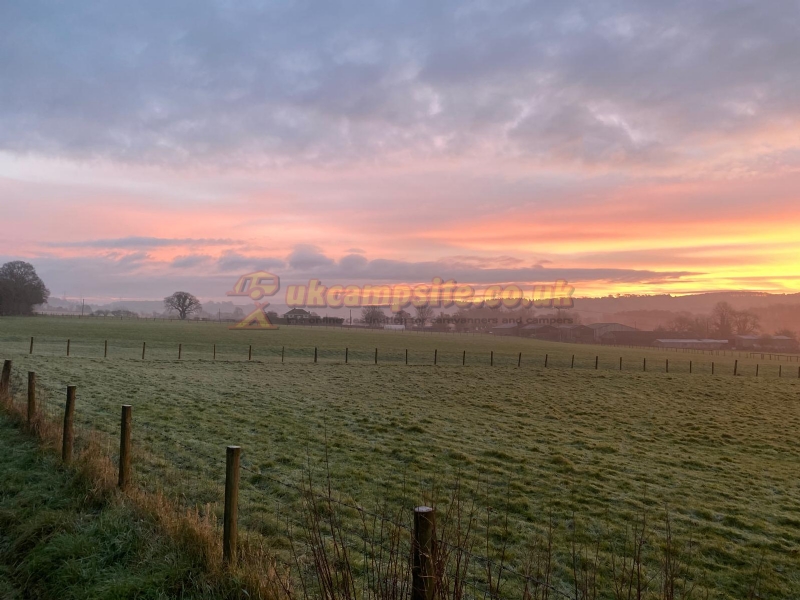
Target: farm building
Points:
(540, 332)
(600, 329)
(780, 343)
(505, 329)
(575, 334)
(704, 344)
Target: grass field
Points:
(720, 452)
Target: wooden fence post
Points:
(435, 357)
(464, 358)
(644, 364)
(519, 360)
(376, 356)
(315, 354)
(214, 355)
(546, 356)
(596, 362)
(423, 584)
(735, 367)
(712, 367)
(69, 417)
(667, 368)
(67, 346)
(31, 397)
(690, 367)
(250, 353)
(283, 348)
(491, 358)
(125, 447)
(620, 363)
(230, 518)
(144, 344)
(5, 380)
(346, 352)
(572, 366)
(780, 370)
(180, 350)
(30, 351)
(756, 369)
(105, 349)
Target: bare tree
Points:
(424, 314)
(184, 303)
(723, 316)
(373, 315)
(746, 322)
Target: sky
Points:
(628, 147)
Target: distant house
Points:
(297, 316)
(575, 334)
(600, 329)
(540, 332)
(703, 344)
(505, 329)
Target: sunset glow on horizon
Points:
(642, 150)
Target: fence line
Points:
(394, 356)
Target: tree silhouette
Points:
(184, 303)
(20, 288)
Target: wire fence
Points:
(313, 528)
(653, 361)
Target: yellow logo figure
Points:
(257, 319)
(256, 286)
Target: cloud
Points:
(305, 257)
(231, 261)
(259, 83)
(190, 261)
(143, 242)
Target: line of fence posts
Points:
(435, 357)
(423, 555)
